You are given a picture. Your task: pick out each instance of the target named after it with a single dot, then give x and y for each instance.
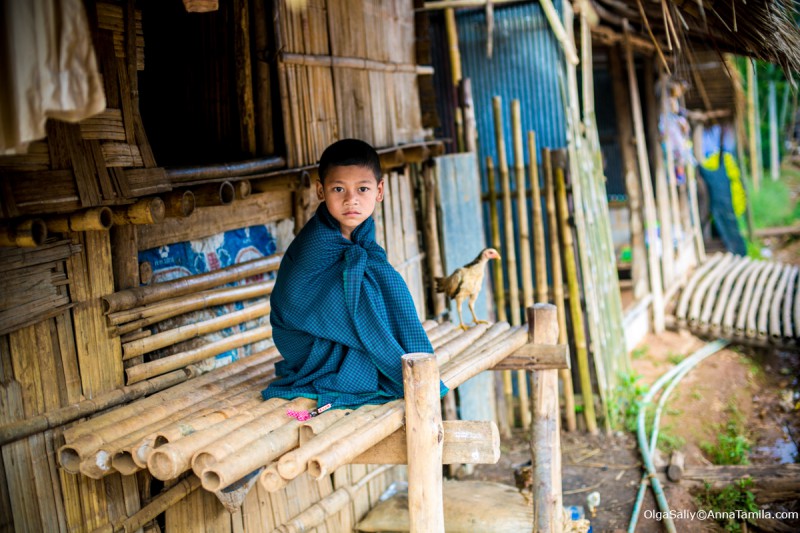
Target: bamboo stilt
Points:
(539, 247)
(425, 435)
(433, 251)
(129, 298)
(179, 360)
(755, 156)
(499, 295)
(576, 313)
(145, 211)
(25, 234)
(96, 218)
(524, 247)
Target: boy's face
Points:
(350, 192)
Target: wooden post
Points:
(455, 71)
(244, 76)
(425, 437)
(632, 188)
(524, 246)
(470, 129)
(545, 436)
(647, 189)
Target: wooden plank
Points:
(207, 221)
(69, 150)
(53, 191)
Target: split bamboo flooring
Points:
(750, 301)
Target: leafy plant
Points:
(624, 406)
(732, 498)
(732, 446)
(675, 358)
(640, 352)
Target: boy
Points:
(341, 316)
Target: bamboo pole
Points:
(49, 420)
(578, 331)
(647, 190)
(453, 374)
(558, 283)
(755, 168)
(295, 462)
(632, 184)
(213, 194)
(558, 30)
(189, 331)
(157, 506)
(524, 247)
(138, 296)
(425, 435)
(140, 317)
(539, 247)
(178, 360)
(26, 234)
(179, 204)
(328, 506)
(499, 296)
(545, 434)
(774, 150)
(96, 218)
(99, 463)
(243, 189)
(169, 460)
(270, 479)
(84, 438)
(145, 211)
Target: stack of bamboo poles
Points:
(215, 426)
(131, 312)
(754, 302)
(509, 247)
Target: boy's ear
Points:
(380, 191)
(320, 191)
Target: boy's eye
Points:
(363, 189)
(338, 189)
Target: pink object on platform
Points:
(302, 416)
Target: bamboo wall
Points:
(57, 347)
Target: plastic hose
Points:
(673, 376)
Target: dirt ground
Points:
(762, 385)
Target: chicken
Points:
(466, 282)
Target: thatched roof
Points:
(766, 29)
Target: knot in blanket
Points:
(342, 318)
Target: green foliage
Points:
(624, 404)
(675, 358)
(732, 446)
(734, 497)
(667, 442)
(773, 205)
(640, 352)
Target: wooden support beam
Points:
(425, 436)
(465, 441)
(537, 357)
(545, 435)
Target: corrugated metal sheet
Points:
(527, 64)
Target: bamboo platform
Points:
(217, 430)
(749, 301)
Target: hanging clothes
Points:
(49, 69)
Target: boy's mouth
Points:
(351, 213)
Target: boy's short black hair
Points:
(347, 152)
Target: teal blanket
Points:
(342, 318)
